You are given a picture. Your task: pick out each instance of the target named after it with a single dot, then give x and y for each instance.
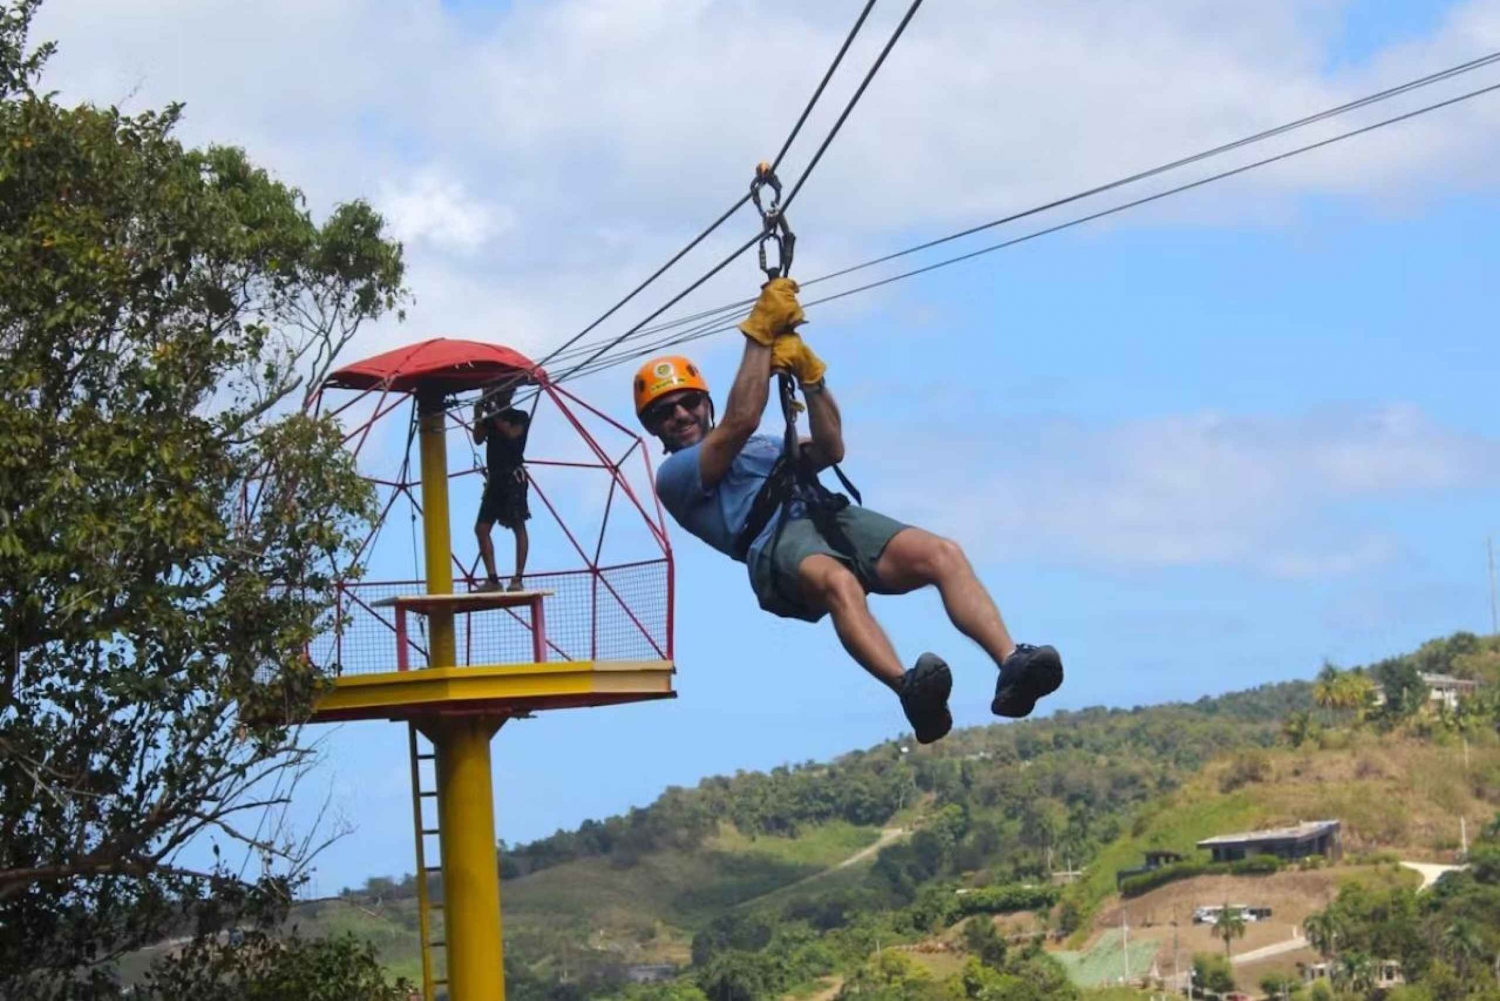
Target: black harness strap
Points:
(791, 477)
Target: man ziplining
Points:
(807, 558)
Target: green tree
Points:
(264, 966)
(1461, 945)
(984, 941)
(1326, 693)
(888, 975)
(1229, 925)
(1280, 985)
(1298, 727)
(172, 526)
(1354, 972)
(1400, 681)
(1212, 973)
(1322, 929)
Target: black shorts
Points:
(774, 576)
(504, 501)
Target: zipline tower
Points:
(455, 664)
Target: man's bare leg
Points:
(915, 558)
(829, 584)
(523, 545)
(486, 548)
(923, 690)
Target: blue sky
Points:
(1196, 447)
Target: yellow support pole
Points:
(471, 871)
(466, 808)
(436, 539)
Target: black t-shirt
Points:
(504, 454)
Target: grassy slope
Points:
(1392, 794)
(682, 889)
(645, 913)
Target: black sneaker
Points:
(1027, 675)
(924, 698)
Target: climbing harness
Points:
(791, 478)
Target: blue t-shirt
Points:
(716, 515)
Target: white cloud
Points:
(434, 209)
(1274, 494)
(580, 141)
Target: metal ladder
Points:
(422, 794)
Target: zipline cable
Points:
(848, 40)
(694, 335)
(1370, 99)
(791, 137)
(806, 173)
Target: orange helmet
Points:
(664, 375)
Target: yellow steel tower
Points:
(459, 706)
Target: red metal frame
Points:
(575, 412)
(538, 629)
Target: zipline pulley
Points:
(773, 223)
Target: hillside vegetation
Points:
(940, 871)
(995, 806)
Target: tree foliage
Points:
(171, 525)
(1445, 938)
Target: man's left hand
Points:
(791, 353)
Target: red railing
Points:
(611, 613)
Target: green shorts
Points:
(774, 575)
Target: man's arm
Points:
(826, 446)
(742, 413)
(480, 420)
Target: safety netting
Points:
(612, 613)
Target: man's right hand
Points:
(776, 312)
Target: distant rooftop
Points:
(1306, 829)
(1448, 679)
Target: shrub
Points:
(1134, 886)
(1256, 865)
(1006, 899)
(1247, 767)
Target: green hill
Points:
(762, 884)
(1394, 795)
(1031, 798)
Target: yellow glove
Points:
(791, 354)
(775, 312)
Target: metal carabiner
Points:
(773, 223)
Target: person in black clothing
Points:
(502, 429)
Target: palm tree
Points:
(1358, 695)
(1322, 933)
(1326, 689)
(1461, 944)
(1356, 972)
(1297, 728)
(1229, 925)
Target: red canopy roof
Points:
(449, 366)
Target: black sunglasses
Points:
(689, 401)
